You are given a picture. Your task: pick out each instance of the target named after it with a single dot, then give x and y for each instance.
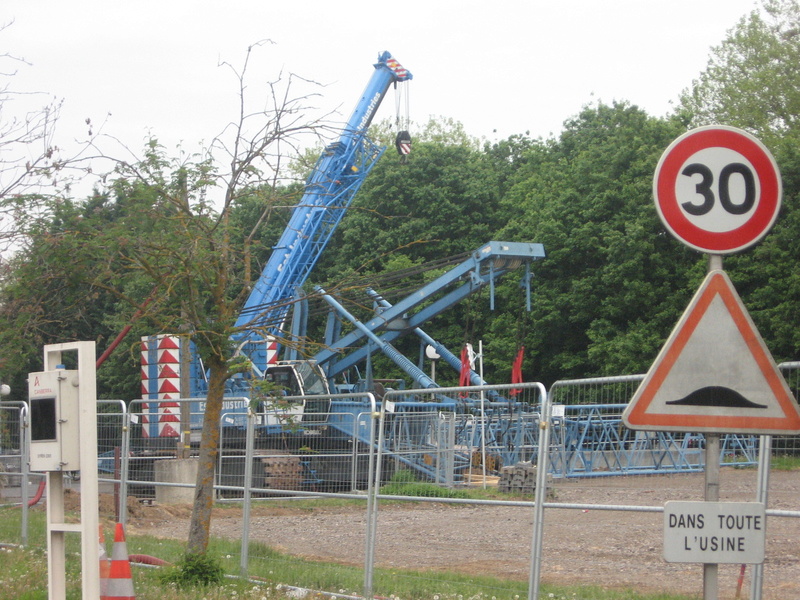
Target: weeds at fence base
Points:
(194, 570)
(406, 483)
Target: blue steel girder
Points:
(486, 264)
(592, 441)
(515, 439)
(335, 362)
(313, 221)
(331, 186)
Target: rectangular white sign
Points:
(714, 532)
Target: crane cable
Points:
(402, 120)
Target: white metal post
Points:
(762, 495)
(711, 494)
(542, 466)
(90, 520)
(483, 415)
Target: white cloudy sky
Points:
(500, 67)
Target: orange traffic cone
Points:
(120, 582)
(105, 566)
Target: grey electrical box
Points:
(55, 420)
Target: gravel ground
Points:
(613, 549)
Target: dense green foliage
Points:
(612, 286)
(752, 81)
(613, 282)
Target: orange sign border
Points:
(636, 415)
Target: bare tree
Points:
(33, 168)
(162, 234)
(27, 152)
(201, 261)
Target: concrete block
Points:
(179, 470)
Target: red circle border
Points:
(667, 203)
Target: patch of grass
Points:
(785, 463)
(598, 593)
(309, 504)
(274, 575)
(406, 483)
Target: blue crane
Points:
(342, 352)
(337, 176)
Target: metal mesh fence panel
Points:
(18, 487)
(160, 434)
(788, 445)
(111, 422)
(294, 462)
(433, 445)
(12, 446)
(330, 454)
(592, 440)
(308, 450)
(459, 436)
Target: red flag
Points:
(463, 380)
(516, 370)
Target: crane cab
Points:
(303, 378)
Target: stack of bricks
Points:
(518, 479)
(282, 472)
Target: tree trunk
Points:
(200, 525)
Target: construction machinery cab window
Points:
(298, 379)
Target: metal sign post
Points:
(718, 190)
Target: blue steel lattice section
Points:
(592, 441)
(314, 221)
(789, 445)
(337, 176)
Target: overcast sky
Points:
(500, 67)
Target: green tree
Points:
(201, 261)
(613, 281)
(48, 296)
(441, 201)
(752, 81)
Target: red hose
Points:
(740, 582)
(141, 559)
(144, 559)
(39, 492)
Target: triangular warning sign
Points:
(714, 374)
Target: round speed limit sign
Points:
(717, 189)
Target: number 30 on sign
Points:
(717, 189)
